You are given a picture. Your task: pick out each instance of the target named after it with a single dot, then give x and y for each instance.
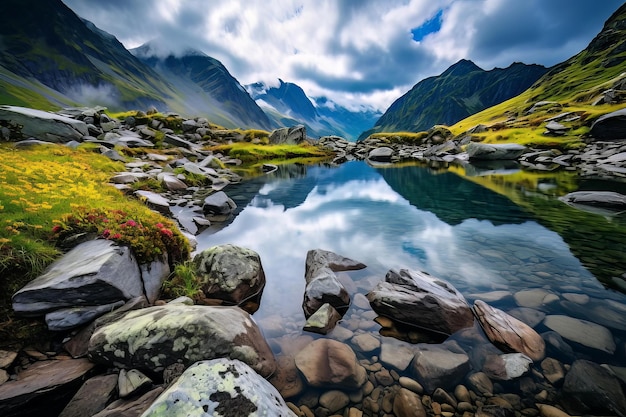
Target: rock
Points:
(96, 272)
(439, 368)
(581, 331)
(365, 342)
(172, 183)
(494, 151)
(556, 129)
(155, 201)
(231, 274)
(51, 379)
(527, 315)
(92, 397)
(131, 382)
(287, 379)
(417, 299)
(220, 387)
(330, 364)
(382, 154)
(506, 367)
(603, 199)
(323, 320)
(506, 330)
(156, 337)
(552, 370)
(131, 407)
(6, 358)
(322, 285)
(334, 400)
(546, 410)
(288, 135)
(396, 354)
(218, 206)
(70, 318)
(408, 404)
(153, 275)
(493, 410)
(591, 389)
(611, 126)
(42, 125)
(534, 298)
(480, 383)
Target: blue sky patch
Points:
(430, 26)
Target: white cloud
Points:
(354, 52)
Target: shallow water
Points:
(480, 229)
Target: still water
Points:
(493, 234)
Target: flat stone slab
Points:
(581, 331)
(44, 125)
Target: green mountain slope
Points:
(462, 90)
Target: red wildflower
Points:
(106, 233)
(116, 236)
(131, 223)
(167, 232)
(56, 228)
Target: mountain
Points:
(287, 104)
(461, 90)
(205, 86)
(51, 53)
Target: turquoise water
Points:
(481, 233)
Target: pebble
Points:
(334, 400)
(462, 394)
(411, 385)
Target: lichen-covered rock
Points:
(330, 364)
(323, 320)
(231, 274)
(156, 337)
(417, 299)
(96, 272)
(322, 285)
(219, 387)
(42, 125)
(505, 330)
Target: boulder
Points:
(156, 337)
(586, 333)
(328, 364)
(72, 317)
(42, 125)
(382, 154)
(477, 150)
(54, 380)
(219, 387)
(97, 272)
(322, 285)
(439, 368)
(509, 332)
(287, 379)
(591, 389)
(418, 299)
(611, 126)
(408, 404)
(288, 135)
(218, 206)
(603, 199)
(231, 274)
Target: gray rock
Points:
(382, 154)
(131, 407)
(591, 389)
(47, 380)
(507, 366)
(231, 274)
(43, 125)
(396, 354)
(156, 337)
(611, 126)
(288, 135)
(365, 342)
(580, 331)
(420, 300)
(220, 387)
(155, 201)
(92, 397)
(322, 285)
(179, 142)
(603, 199)
(218, 206)
(494, 151)
(153, 275)
(439, 368)
(72, 317)
(131, 382)
(96, 272)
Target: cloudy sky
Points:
(356, 52)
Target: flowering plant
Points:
(149, 238)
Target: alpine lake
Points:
(497, 233)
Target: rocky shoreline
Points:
(149, 348)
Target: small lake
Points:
(495, 232)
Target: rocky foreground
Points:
(126, 352)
